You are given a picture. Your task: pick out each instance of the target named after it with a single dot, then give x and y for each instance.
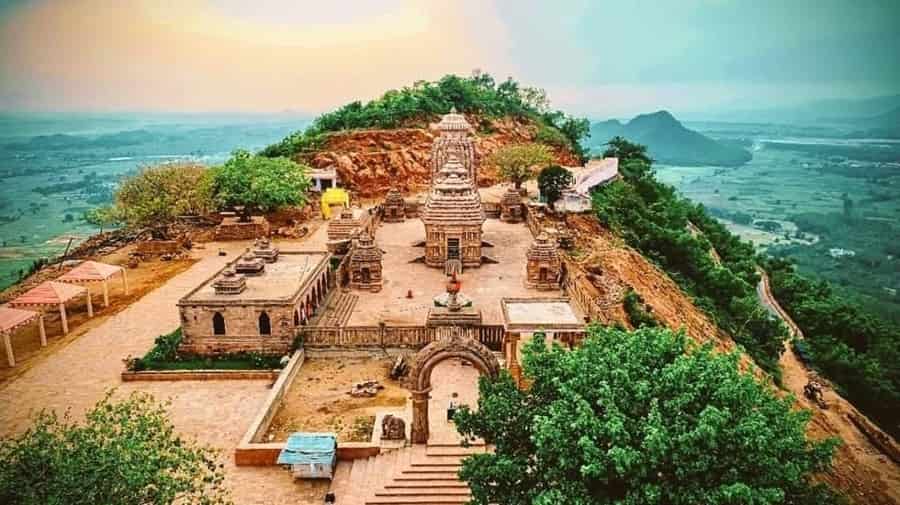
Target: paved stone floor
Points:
(485, 285)
(448, 377)
(216, 413)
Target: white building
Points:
(594, 173)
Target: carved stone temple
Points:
(365, 263)
(543, 264)
(511, 210)
(394, 207)
(453, 218)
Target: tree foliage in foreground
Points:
(518, 163)
(639, 418)
(260, 183)
(157, 195)
(126, 452)
(552, 181)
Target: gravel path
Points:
(216, 413)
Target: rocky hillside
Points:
(369, 161)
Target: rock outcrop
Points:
(370, 161)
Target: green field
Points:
(801, 201)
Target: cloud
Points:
(193, 55)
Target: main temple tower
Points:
(453, 140)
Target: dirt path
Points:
(866, 473)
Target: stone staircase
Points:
(339, 310)
(422, 475)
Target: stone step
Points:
(454, 451)
(420, 484)
(432, 469)
(420, 500)
(413, 476)
(430, 491)
(438, 461)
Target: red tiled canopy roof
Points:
(90, 271)
(49, 293)
(10, 318)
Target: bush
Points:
(125, 452)
(517, 163)
(260, 183)
(157, 195)
(639, 314)
(552, 181)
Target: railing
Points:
(397, 336)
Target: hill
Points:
(388, 140)
(669, 141)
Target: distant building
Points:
(837, 252)
(594, 173)
(323, 178)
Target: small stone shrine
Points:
(250, 264)
(543, 264)
(242, 228)
(230, 283)
(511, 210)
(340, 231)
(365, 263)
(394, 207)
(264, 250)
(454, 314)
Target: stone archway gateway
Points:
(464, 348)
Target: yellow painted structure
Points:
(334, 196)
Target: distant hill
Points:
(668, 141)
(836, 110)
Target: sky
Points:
(594, 57)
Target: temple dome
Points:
(453, 199)
(453, 122)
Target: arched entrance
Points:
(464, 348)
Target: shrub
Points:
(552, 181)
(259, 182)
(157, 195)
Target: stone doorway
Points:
(452, 248)
(463, 348)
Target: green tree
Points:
(552, 181)
(517, 163)
(259, 182)
(618, 147)
(102, 217)
(157, 195)
(635, 418)
(126, 452)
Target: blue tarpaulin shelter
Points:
(310, 455)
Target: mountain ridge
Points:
(668, 141)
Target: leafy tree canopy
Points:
(421, 102)
(126, 452)
(517, 162)
(618, 147)
(157, 195)
(639, 418)
(552, 181)
(259, 182)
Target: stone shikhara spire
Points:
(453, 140)
(453, 217)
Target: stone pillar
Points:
(62, 316)
(106, 293)
(419, 433)
(42, 331)
(512, 361)
(9, 351)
